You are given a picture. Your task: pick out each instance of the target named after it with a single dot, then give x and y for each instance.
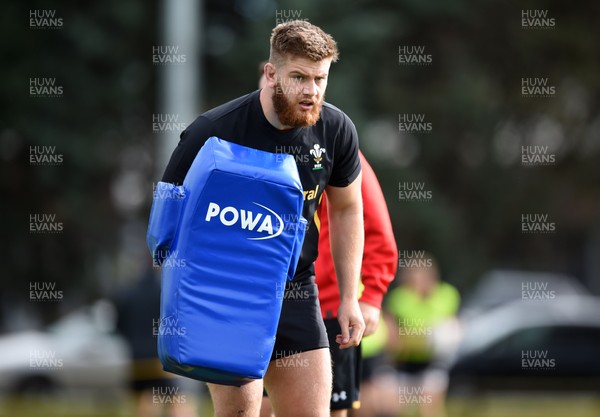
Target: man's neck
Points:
(266, 102)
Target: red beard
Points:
(289, 113)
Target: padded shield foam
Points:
(227, 240)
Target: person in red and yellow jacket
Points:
(378, 269)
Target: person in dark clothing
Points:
(290, 116)
(138, 319)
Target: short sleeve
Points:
(346, 163)
(190, 142)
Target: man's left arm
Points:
(347, 244)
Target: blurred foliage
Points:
(470, 93)
(101, 56)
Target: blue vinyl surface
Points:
(227, 241)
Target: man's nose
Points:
(310, 88)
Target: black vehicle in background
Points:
(530, 345)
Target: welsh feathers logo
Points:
(260, 221)
(317, 153)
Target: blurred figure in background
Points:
(419, 307)
(379, 391)
(138, 317)
(378, 269)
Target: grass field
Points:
(515, 405)
(556, 405)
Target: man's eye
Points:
(298, 77)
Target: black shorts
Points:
(347, 365)
(300, 326)
(376, 365)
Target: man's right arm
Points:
(191, 140)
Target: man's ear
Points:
(269, 72)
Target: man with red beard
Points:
(378, 269)
(290, 116)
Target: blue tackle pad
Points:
(227, 240)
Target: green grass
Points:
(74, 407)
(521, 405)
(62, 408)
(515, 405)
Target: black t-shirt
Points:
(326, 154)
